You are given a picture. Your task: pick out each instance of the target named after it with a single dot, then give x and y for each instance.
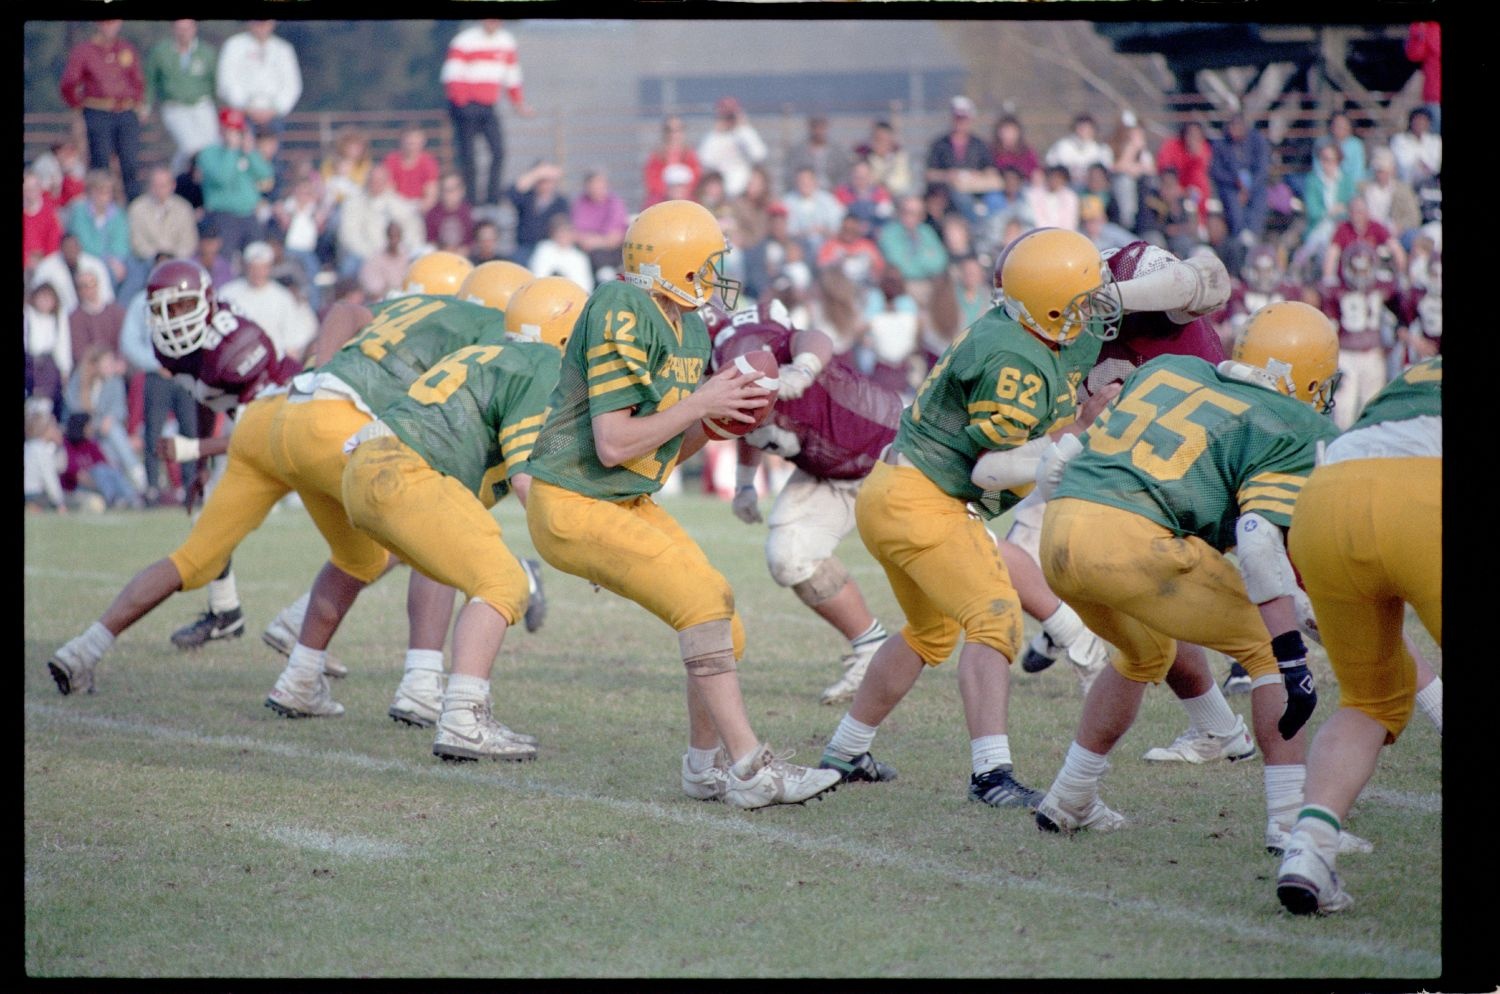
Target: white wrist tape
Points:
(1049, 471)
(1011, 468)
(808, 361)
(1261, 554)
(184, 449)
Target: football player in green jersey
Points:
(1188, 461)
(1367, 537)
(1002, 383)
(422, 478)
(628, 406)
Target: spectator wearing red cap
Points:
(731, 147)
(234, 175)
(103, 76)
(481, 65)
(673, 151)
(1424, 46)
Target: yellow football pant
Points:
(1141, 588)
(943, 565)
(635, 549)
(1367, 537)
(434, 523)
(240, 501)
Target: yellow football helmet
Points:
(1292, 348)
(677, 248)
(544, 310)
(437, 273)
(1054, 282)
(492, 283)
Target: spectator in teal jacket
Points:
(911, 245)
(1326, 192)
(99, 223)
(235, 176)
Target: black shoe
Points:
(1000, 789)
(536, 603)
(861, 769)
(1238, 681)
(1041, 653)
(210, 627)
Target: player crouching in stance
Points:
(1188, 461)
(1003, 382)
(1367, 536)
(831, 422)
(628, 405)
(423, 477)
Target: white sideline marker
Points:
(1293, 934)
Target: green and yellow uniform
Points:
(373, 370)
(599, 522)
(457, 437)
(996, 387)
(1134, 535)
(1367, 538)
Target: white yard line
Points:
(354, 846)
(712, 819)
(1427, 803)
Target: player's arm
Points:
(1185, 289)
(1044, 458)
(342, 322)
(746, 504)
(520, 485)
(812, 351)
(1270, 582)
(620, 436)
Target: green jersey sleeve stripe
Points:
(532, 422)
(1282, 509)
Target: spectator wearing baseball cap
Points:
(962, 162)
(234, 176)
(731, 147)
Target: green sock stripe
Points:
(1322, 814)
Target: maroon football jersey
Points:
(843, 420)
(237, 361)
(1358, 315)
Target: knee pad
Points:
(827, 580)
(708, 648)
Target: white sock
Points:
(305, 662)
(1078, 780)
(873, 635)
(296, 612)
(93, 643)
(430, 660)
(1430, 700)
(989, 751)
(1209, 712)
(701, 759)
(1320, 827)
(466, 689)
(222, 595)
(852, 738)
(1284, 792)
(1064, 626)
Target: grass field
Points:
(176, 827)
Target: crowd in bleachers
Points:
(888, 244)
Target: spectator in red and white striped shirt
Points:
(481, 64)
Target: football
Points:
(758, 361)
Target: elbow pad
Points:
(1261, 555)
(1011, 468)
(1185, 289)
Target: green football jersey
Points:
(1416, 393)
(407, 335)
(623, 353)
(1191, 450)
(476, 413)
(996, 387)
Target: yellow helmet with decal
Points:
(1292, 348)
(436, 273)
(676, 248)
(545, 309)
(1054, 282)
(492, 283)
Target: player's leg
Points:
(806, 524)
(1214, 731)
(637, 550)
(429, 612)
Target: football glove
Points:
(746, 505)
(1049, 472)
(1301, 697)
(798, 375)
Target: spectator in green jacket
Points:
(914, 249)
(235, 176)
(180, 81)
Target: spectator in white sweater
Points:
(267, 302)
(259, 75)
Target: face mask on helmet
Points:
(178, 307)
(1291, 348)
(1055, 283)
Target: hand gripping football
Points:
(758, 361)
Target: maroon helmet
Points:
(1357, 266)
(1262, 269)
(179, 305)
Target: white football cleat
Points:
(303, 699)
(1055, 815)
(1194, 746)
(468, 732)
(1279, 837)
(419, 699)
(70, 671)
(1306, 884)
(281, 636)
(855, 665)
(772, 780)
(709, 784)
